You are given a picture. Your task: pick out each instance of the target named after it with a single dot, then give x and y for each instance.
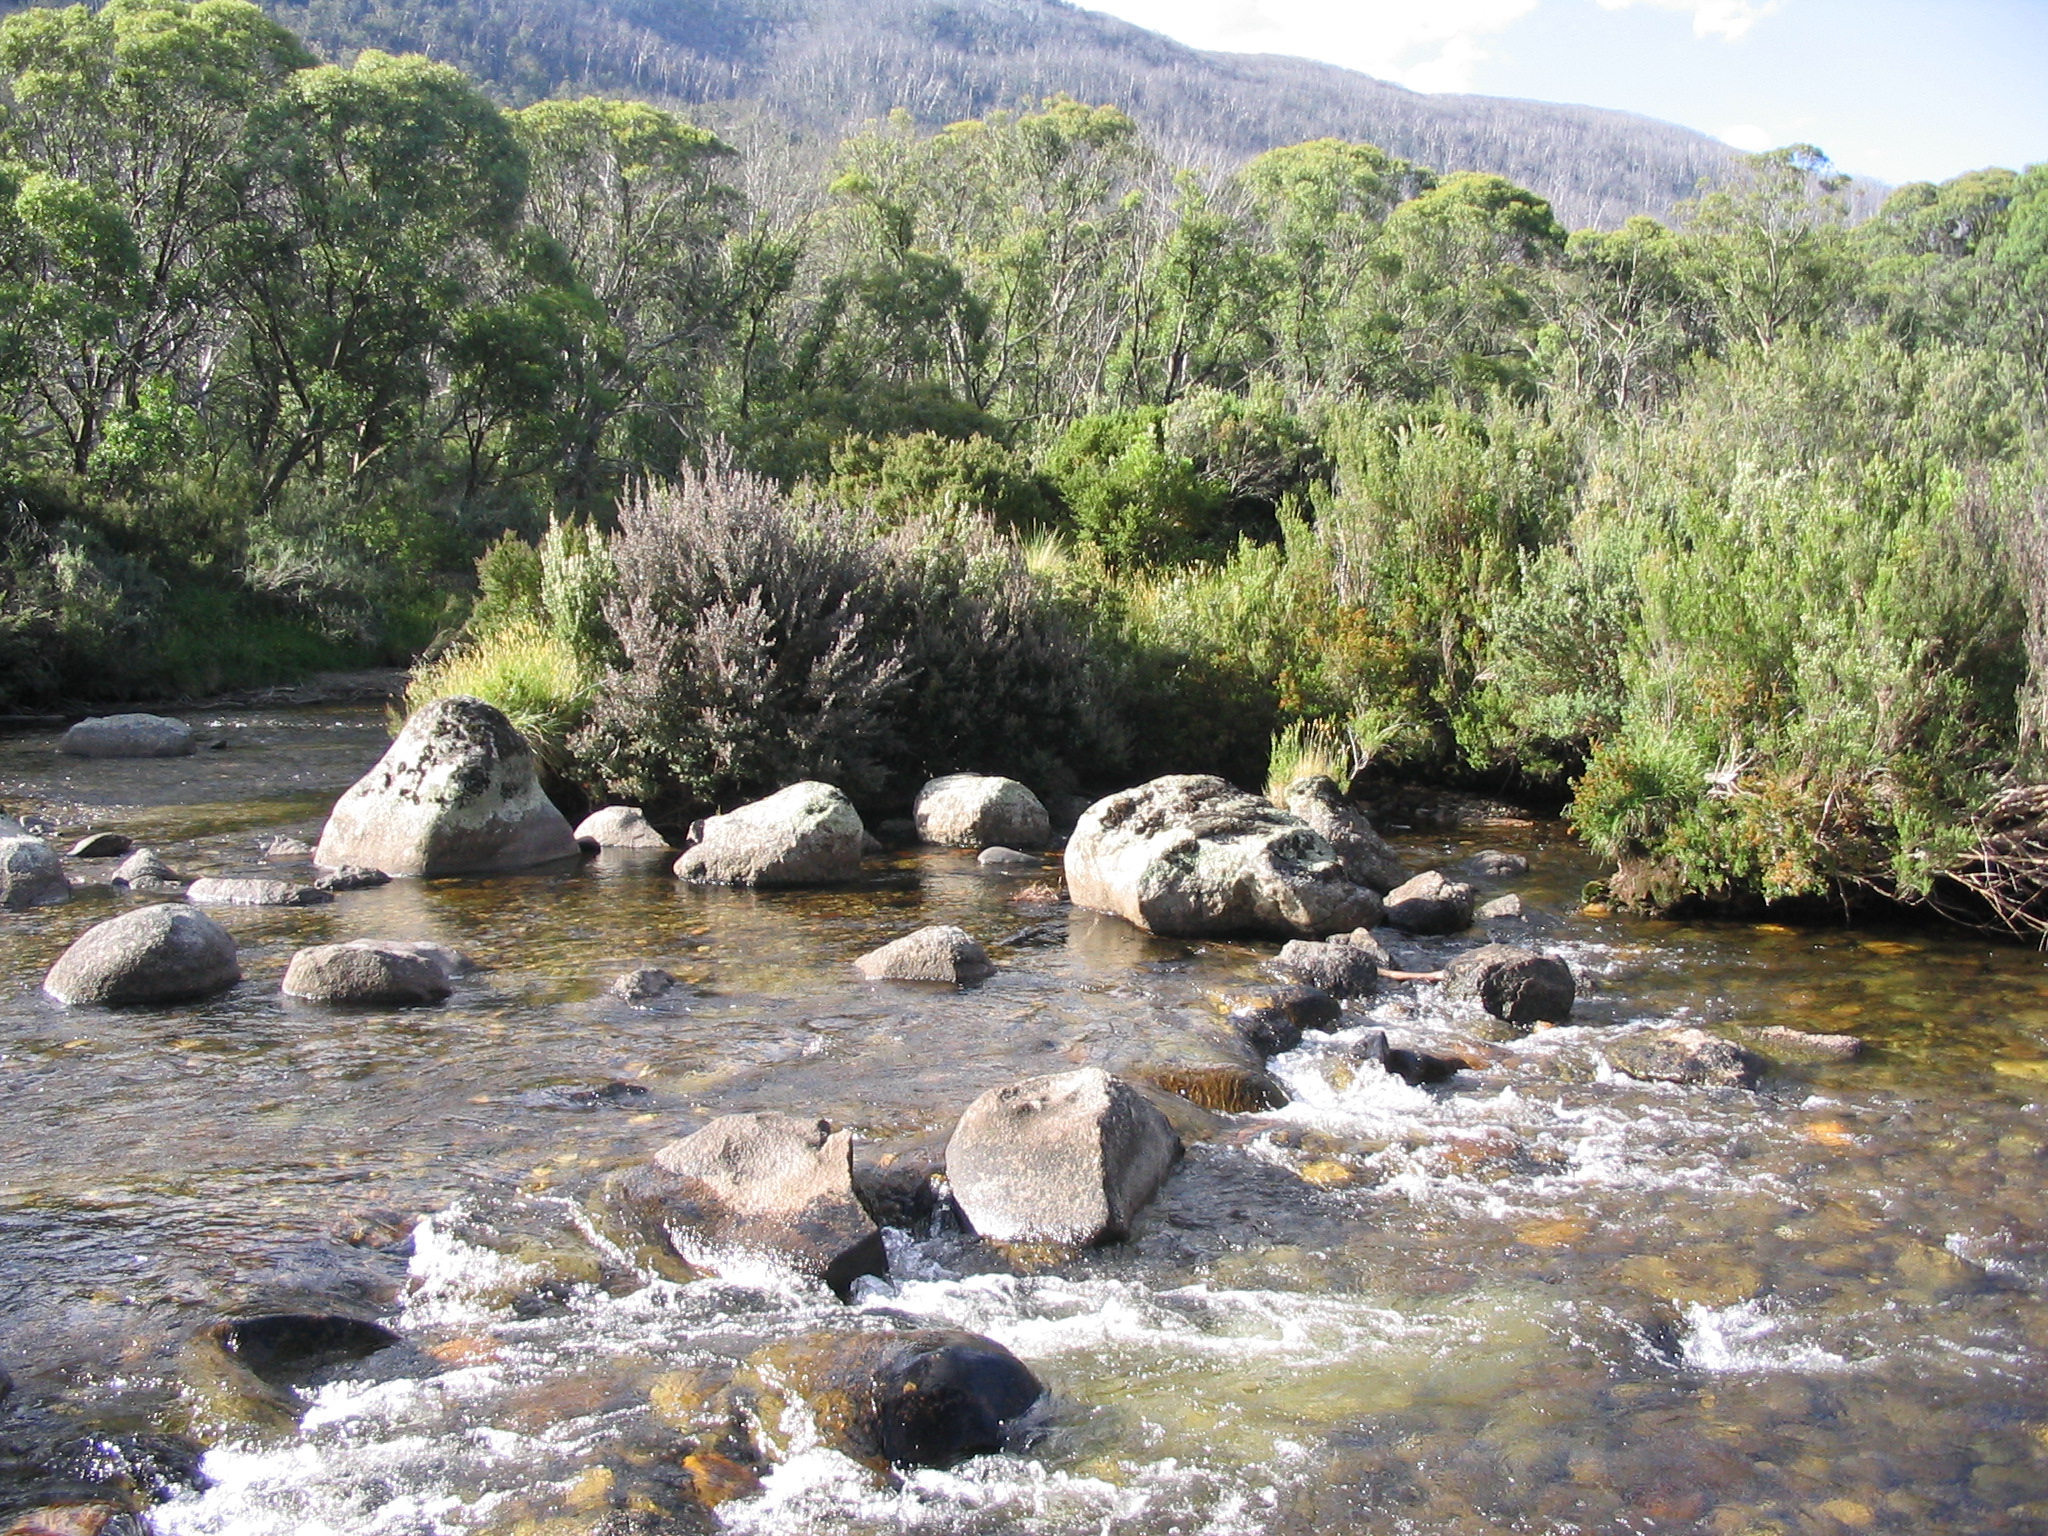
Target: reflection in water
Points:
(1539, 1298)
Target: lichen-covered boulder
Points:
(1069, 1158)
(456, 794)
(232, 891)
(1689, 1056)
(807, 834)
(939, 953)
(31, 874)
(758, 1185)
(619, 826)
(366, 972)
(160, 954)
(1191, 855)
(128, 736)
(1368, 858)
(1512, 983)
(1431, 903)
(979, 810)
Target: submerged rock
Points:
(1068, 1158)
(643, 985)
(215, 891)
(1368, 858)
(807, 834)
(1803, 1047)
(102, 845)
(95, 1518)
(456, 794)
(1189, 854)
(1430, 904)
(160, 954)
(977, 810)
(1009, 858)
(760, 1184)
(243, 1374)
(1515, 984)
(366, 972)
(1690, 1056)
(1342, 970)
(926, 1397)
(619, 826)
(939, 953)
(128, 736)
(31, 874)
(1493, 864)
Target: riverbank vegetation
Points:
(1015, 448)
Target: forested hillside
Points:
(1016, 447)
(825, 66)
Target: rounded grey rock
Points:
(1342, 970)
(222, 891)
(1431, 903)
(1009, 858)
(807, 834)
(619, 826)
(1368, 858)
(1688, 1056)
(939, 953)
(977, 810)
(31, 874)
(102, 845)
(161, 954)
(365, 972)
(1515, 984)
(128, 736)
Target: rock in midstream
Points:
(161, 954)
(145, 869)
(925, 1397)
(242, 1375)
(1501, 909)
(1512, 983)
(1342, 970)
(1207, 1061)
(807, 834)
(456, 794)
(643, 985)
(1008, 858)
(31, 874)
(367, 972)
(1431, 903)
(1368, 858)
(760, 1184)
(1191, 855)
(1690, 1056)
(979, 810)
(1803, 1047)
(128, 736)
(619, 826)
(102, 845)
(1493, 864)
(1272, 1019)
(1070, 1158)
(223, 891)
(90, 1518)
(938, 953)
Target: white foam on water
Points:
(1752, 1338)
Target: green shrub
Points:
(1132, 498)
(538, 678)
(926, 476)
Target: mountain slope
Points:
(821, 65)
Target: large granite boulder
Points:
(455, 795)
(940, 953)
(128, 736)
(1367, 857)
(1513, 983)
(619, 826)
(366, 972)
(979, 810)
(807, 834)
(1189, 854)
(759, 1184)
(925, 1397)
(1069, 1158)
(160, 954)
(31, 874)
(235, 891)
(1431, 903)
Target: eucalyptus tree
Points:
(1769, 250)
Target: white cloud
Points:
(1430, 45)
(1730, 19)
(1749, 138)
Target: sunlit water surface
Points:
(1541, 1298)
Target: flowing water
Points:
(1543, 1297)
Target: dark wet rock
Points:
(286, 848)
(1493, 864)
(619, 826)
(221, 891)
(31, 874)
(1273, 1019)
(978, 810)
(144, 869)
(939, 953)
(350, 878)
(243, 1374)
(871, 846)
(95, 1518)
(1515, 984)
(1069, 1158)
(1342, 970)
(1189, 854)
(763, 1184)
(807, 834)
(102, 845)
(902, 1194)
(1431, 903)
(1420, 1068)
(1066, 811)
(896, 831)
(456, 794)
(927, 1397)
(1502, 909)
(1227, 1088)
(1009, 858)
(1799, 1047)
(643, 985)
(612, 1095)
(160, 954)
(128, 736)
(368, 973)
(1689, 1056)
(1368, 858)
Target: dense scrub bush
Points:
(922, 476)
(1132, 497)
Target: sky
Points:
(1902, 90)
